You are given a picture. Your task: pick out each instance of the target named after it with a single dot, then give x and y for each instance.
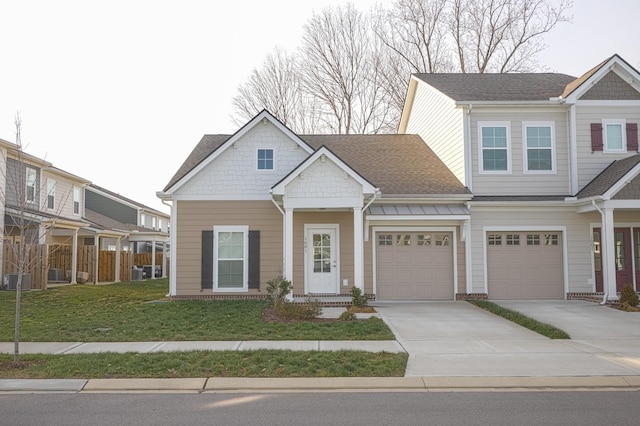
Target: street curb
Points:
(323, 384)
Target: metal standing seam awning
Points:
(413, 212)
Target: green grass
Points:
(539, 327)
(137, 312)
(262, 363)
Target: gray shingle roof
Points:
(499, 87)
(609, 177)
(397, 164)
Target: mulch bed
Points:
(269, 315)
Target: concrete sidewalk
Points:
(64, 348)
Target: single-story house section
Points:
(328, 212)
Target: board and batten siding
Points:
(578, 237)
(440, 124)
(519, 182)
(197, 216)
(591, 164)
(234, 173)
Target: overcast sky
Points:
(119, 92)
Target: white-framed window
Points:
(30, 184)
(266, 160)
(231, 258)
(76, 200)
(494, 147)
(539, 147)
(51, 194)
(614, 135)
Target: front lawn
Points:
(262, 363)
(137, 311)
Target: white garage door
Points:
(414, 266)
(525, 265)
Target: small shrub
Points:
(625, 306)
(309, 310)
(358, 299)
(628, 296)
(347, 316)
(362, 309)
(277, 290)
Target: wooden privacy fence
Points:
(35, 262)
(43, 257)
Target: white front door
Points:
(321, 260)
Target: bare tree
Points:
(341, 59)
(22, 201)
(502, 35)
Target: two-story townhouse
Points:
(41, 204)
(552, 162)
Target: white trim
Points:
(573, 150)
(52, 191)
(308, 245)
(444, 217)
(622, 182)
(273, 159)
(226, 197)
(412, 229)
(497, 124)
(245, 261)
(623, 132)
(173, 262)
(614, 64)
(620, 103)
(539, 228)
(27, 173)
(525, 147)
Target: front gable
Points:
(612, 87)
(323, 181)
(612, 80)
(232, 171)
(630, 191)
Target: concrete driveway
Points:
(459, 339)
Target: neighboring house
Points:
(329, 212)
(552, 161)
(147, 228)
(55, 205)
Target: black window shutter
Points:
(632, 136)
(207, 260)
(596, 137)
(254, 259)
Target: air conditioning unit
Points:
(136, 274)
(11, 281)
(54, 275)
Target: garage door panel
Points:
(525, 265)
(415, 266)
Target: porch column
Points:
(358, 253)
(164, 259)
(288, 247)
(608, 250)
(118, 259)
(96, 265)
(74, 257)
(153, 259)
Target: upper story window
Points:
(51, 194)
(614, 136)
(539, 147)
(30, 184)
(76, 200)
(265, 159)
(494, 147)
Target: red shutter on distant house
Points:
(596, 137)
(632, 136)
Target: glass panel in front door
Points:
(321, 253)
(620, 252)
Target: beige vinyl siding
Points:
(195, 216)
(518, 182)
(63, 205)
(440, 124)
(345, 237)
(578, 236)
(590, 164)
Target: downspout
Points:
(366, 229)
(604, 287)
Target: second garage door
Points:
(525, 265)
(413, 266)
